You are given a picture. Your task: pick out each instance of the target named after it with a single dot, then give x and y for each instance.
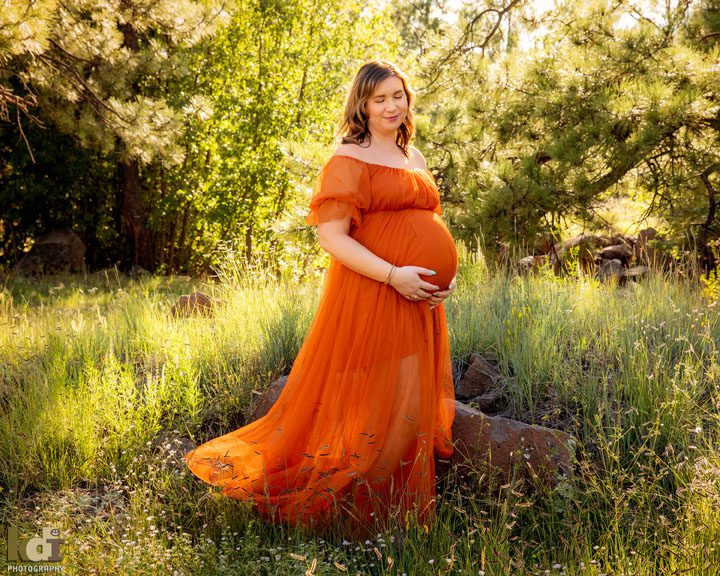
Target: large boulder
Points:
(504, 446)
(60, 250)
(622, 252)
(484, 442)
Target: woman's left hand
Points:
(437, 297)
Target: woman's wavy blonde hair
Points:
(354, 123)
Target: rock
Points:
(60, 250)
(636, 273)
(646, 234)
(609, 269)
(621, 252)
(643, 253)
(262, 404)
(137, 271)
(480, 378)
(585, 244)
(648, 255)
(482, 440)
(488, 401)
(531, 264)
(543, 244)
(196, 303)
(614, 240)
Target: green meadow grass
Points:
(101, 390)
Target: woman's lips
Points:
(392, 118)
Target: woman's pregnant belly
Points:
(411, 238)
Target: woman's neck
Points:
(385, 140)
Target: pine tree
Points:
(598, 108)
(102, 75)
(24, 28)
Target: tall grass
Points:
(102, 390)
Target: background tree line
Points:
(165, 132)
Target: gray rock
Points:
(137, 271)
(621, 252)
(636, 273)
(59, 250)
(609, 269)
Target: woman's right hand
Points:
(407, 281)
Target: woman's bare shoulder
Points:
(417, 157)
(349, 149)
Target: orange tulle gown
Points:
(370, 395)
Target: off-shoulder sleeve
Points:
(342, 189)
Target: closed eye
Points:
(379, 100)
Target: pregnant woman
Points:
(350, 440)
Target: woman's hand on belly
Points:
(437, 297)
(407, 281)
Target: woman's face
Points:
(387, 107)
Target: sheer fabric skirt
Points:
(351, 438)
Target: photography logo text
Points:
(45, 548)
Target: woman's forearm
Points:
(355, 256)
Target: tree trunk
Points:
(708, 256)
(171, 242)
(182, 255)
(164, 228)
(134, 216)
(249, 241)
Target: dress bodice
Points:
(348, 186)
(401, 188)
